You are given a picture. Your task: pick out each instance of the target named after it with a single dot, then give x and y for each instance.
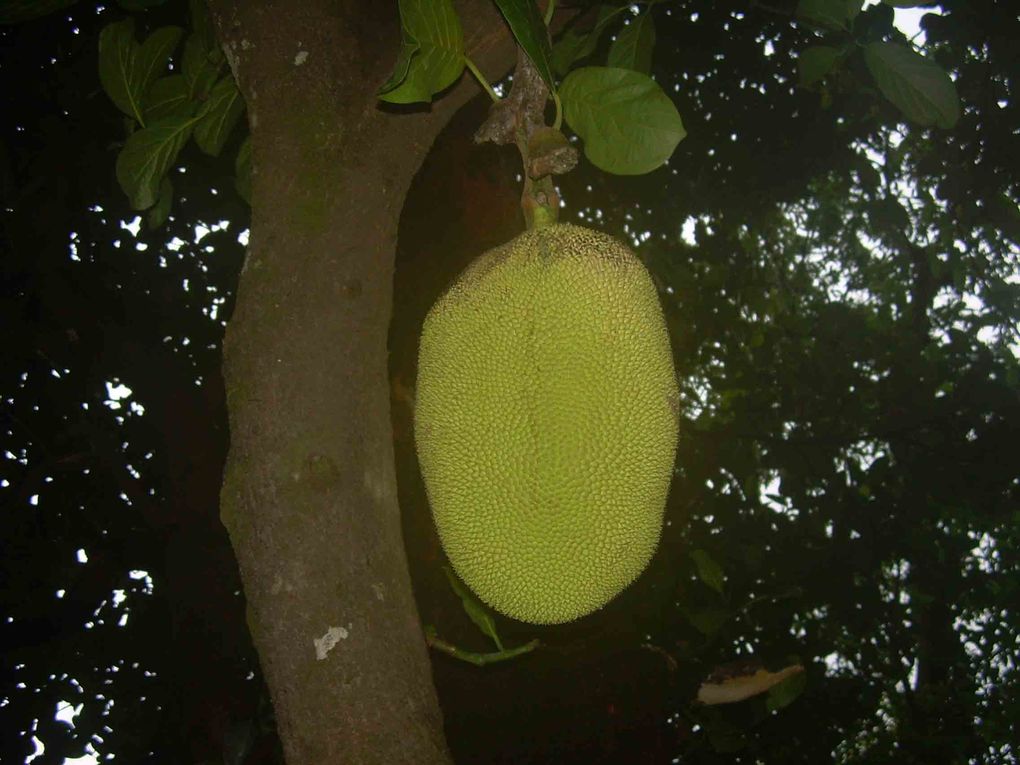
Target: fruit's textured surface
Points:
(546, 422)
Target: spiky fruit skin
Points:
(546, 422)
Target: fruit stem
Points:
(481, 79)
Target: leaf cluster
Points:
(910, 81)
(199, 100)
(627, 123)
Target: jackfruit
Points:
(546, 422)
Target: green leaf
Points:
(815, 62)
(709, 621)
(17, 11)
(147, 156)
(830, 14)
(117, 53)
(917, 86)
(242, 170)
(200, 66)
(168, 97)
(127, 69)
(159, 212)
(786, 692)
(574, 46)
(910, 3)
(408, 47)
(628, 125)
(218, 116)
(709, 571)
(434, 27)
(153, 54)
(632, 48)
(479, 614)
(526, 23)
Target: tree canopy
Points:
(843, 292)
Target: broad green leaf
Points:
(815, 62)
(709, 621)
(574, 46)
(910, 3)
(127, 69)
(218, 116)
(242, 170)
(168, 97)
(434, 26)
(709, 571)
(474, 608)
(628, 125)
(147, 157)
(632, 48)
(408, 48)
(831, 14)
(786, 692)
(526, 23)
(159, 212)
(917, 86)
(200, 66)
(16, 11)
(152, 56)
(117, 54)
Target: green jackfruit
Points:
(546, 422)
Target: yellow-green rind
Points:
(546, 422)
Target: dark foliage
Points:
(842, 293)
(148, 634)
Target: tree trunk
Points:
(309, 494)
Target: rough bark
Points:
(309, 493)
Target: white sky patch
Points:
(39, 749)
(142, 576)
(66, 712)
(908, 21)
(134, 226)
(115, 393)
(301, 57)
(687, 231)
(202, 230)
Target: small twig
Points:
(474, 657)
(670, 661)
